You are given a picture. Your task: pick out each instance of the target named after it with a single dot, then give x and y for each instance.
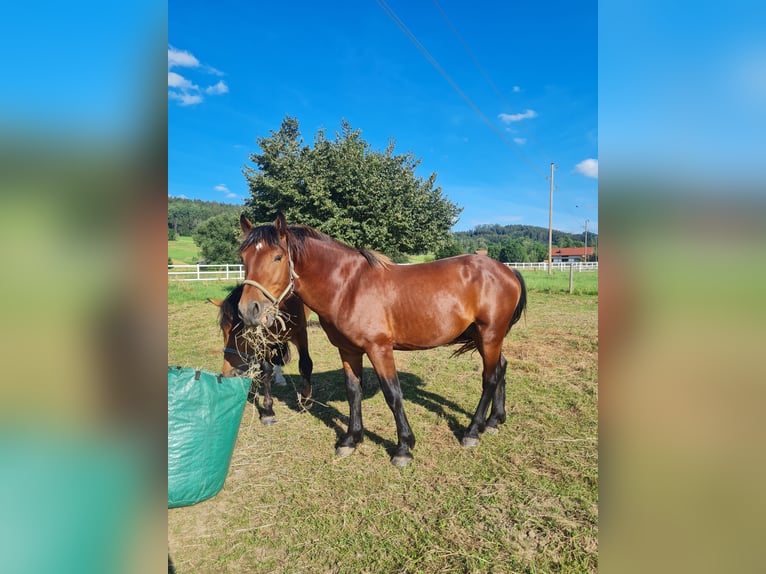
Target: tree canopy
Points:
(361, 196)
(518, 243)
(184, 215)
(218, 238)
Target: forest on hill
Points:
(184, 215)
(215, 228)
(517, 243)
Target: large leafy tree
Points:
(218, 238)
(344, 188)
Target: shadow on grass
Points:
(330, 386)
(414, 391)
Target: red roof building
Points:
(567, 254)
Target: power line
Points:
(402, 26)
(484, 73)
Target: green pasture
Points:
(525, 500)
(583, 282)
(183, 251)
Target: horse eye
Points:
(278, 258)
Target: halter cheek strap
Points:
(289, 289)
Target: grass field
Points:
(183, 251)
(525, 500)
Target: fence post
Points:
(571, 272)
(198, 271)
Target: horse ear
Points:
(245, 224)
(280, 223)
(216, 302)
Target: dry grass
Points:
(525, 500)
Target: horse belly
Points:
(428, 331)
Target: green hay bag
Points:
(204, 413)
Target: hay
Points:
(261, 342)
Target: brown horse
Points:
(368, 305)
(238, 355)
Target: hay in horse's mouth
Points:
(260, 341)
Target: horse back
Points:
(431, 304)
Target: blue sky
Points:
(488, 99)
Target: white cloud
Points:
(588, 168)
(185, 91)
(508, 118)
(520, 141)
(181, 58)
(228, 194)
(516, 89)
(178, 81)
(219, 88)
(212, 70)
(185, 98)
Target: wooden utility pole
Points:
(586, 241)
(550, 226)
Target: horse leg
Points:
(306, 367)
(352, 367)
(279, 378)
(267, 414)
(382, 359)
(490, 354)
(497, 411)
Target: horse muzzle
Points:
(255, 314)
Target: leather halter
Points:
(288, 290)
(242, 356)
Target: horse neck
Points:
(322, 273)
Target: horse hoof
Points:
(268, 421)
(401, 461)
(305, 404)
(344, 451)
(469, 441)
(491, 430)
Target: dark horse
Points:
(368, 305)
(238, 354)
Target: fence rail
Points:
(205, 272)
(236, 272)
(558, 265)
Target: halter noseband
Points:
(289, 289)
(243, 356)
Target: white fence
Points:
(236, 272)
(205, 272)
(558, 265)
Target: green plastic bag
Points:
(204, 413)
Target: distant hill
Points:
(186, 214)
(492, 235)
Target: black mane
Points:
(296, 239)
(228, 314)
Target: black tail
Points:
(468, 337)
(521, 307)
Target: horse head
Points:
(235, 352)
(269, 274)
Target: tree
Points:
(449, 249)
(184, 215)
(565, 241)
(342, 187)
(218, 238)
(513, 251)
